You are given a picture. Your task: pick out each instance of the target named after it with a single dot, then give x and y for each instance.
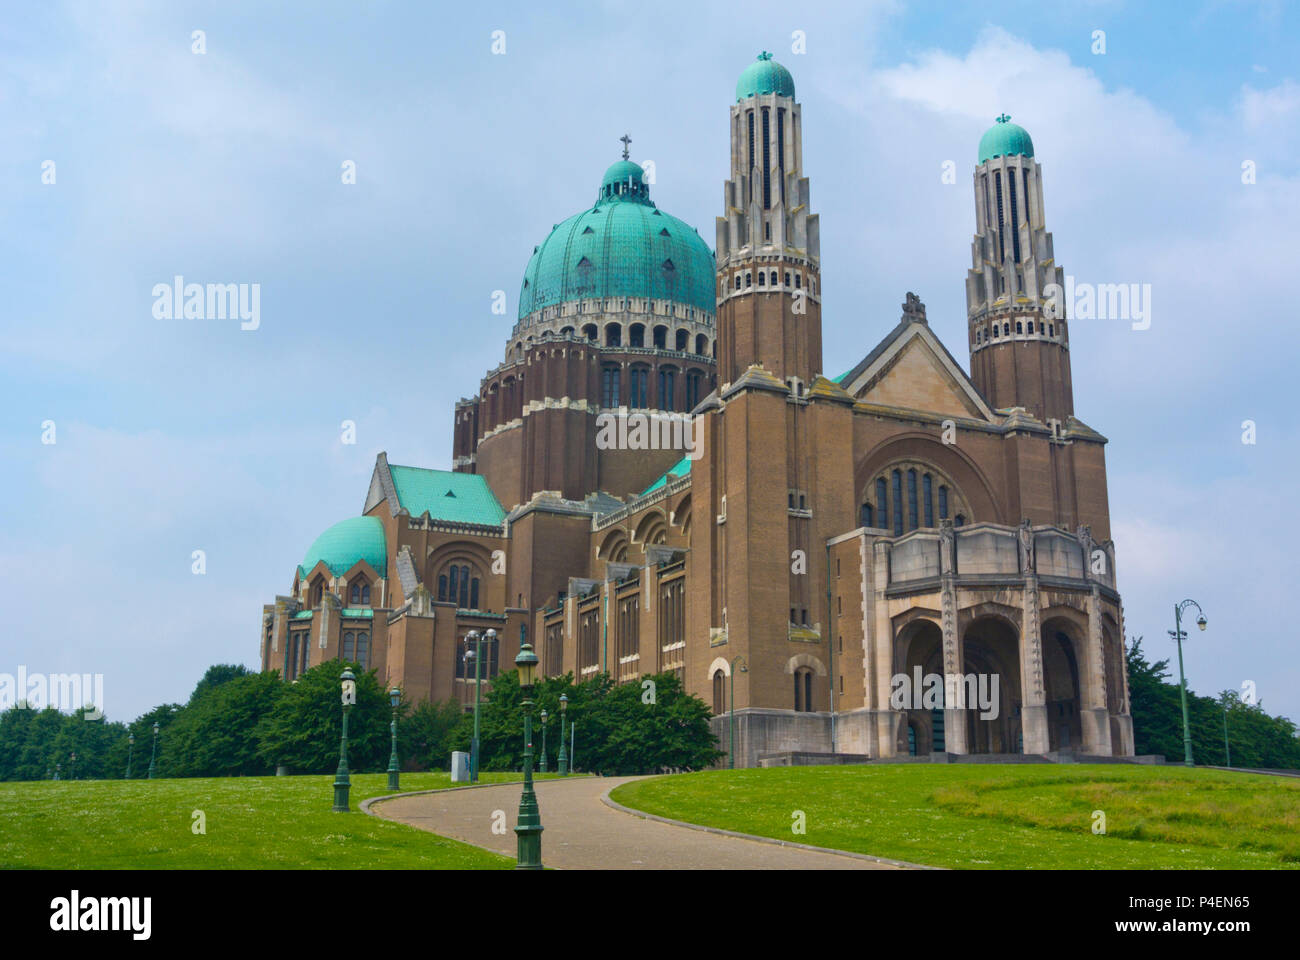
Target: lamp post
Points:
(475, 653)
(58, 767)
(73, 774)
(342, 782)
(1177, 634)
(543, 766)
(529, 827)
(130, 752)
(394, 769)
(731, 714)
(564, 756)
(153, 756)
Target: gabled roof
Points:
(874, 368)
(446, 495)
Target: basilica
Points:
(799, 545)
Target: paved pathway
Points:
(582, 832)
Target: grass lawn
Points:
(252, 823)
(1004, 816)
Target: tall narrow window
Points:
(807, 691)
(349, 645)
(1025, 171)
(911, 500)
(442, 587)
(363, 648)
(306, 651)
(997, 184)
(473, 594)
(719, 692)
(1015, 220)
(943, 502)
(464, 587)
(897, 483)
(454, 584)
(767, 157)
(866, 516)
(750, 171)
(926, 487)
(780, 155)
(667, 388)
(882, 515)
(638, 382)
(610, 392)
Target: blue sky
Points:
(376, 297)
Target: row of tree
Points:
(238, 723)
(1254, 738)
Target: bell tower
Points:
(768, 249)
(1018, 332)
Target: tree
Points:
(425, 735)
(217, 733)
(216, 675)
(303, 728)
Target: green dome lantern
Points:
(1005, 139)
(624, 246)
(345, 543)
(764, 75)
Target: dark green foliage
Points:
(617, 731)
(424, 737)
(303, 728)
(218, 674)
(216, 734)
(1255, 738)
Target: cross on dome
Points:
(625, 140)
(1004, 118)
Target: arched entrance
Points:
(919, 646)
(1062, 646)
(991, 671)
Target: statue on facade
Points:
(947, 545)
(1026, 546)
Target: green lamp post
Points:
(394, 768)
(474, 651)
(529, 827)
(130, 752)
(342, 782)
(564, 756)
(543, 764)
(73, 774)
(58, 767)
(1227, 752)
(1178, 634)
(731, 714)
(153, 756)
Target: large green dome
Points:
(342, 545)
(624, 246)
(764, 75)
(1005, 139)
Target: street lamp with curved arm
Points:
(1177, 634)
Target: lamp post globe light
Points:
(1178, 634)
(542, 767)
(563, 767)
(394, 768)
(58, 768)
(130, 752)
(475, 652)
(153, 756)
(342, 782)
(529, 827)
(731, 714)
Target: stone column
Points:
(883, 642)
(1096, 717)
(1033, 698)
(954, 714)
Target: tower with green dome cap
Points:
(769, 244)
(1019, 339)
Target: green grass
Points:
(1005, 816)
(252, 823)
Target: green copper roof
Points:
(623, 246)
(348, 541)
(453, 497)
(357, 613)
(680, 468)
(303, 614)
(764, 75)
(840, 378)
(1005, 139)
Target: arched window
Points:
(798, 281)
(667, 388)
(1006, 329)
(636, 335)
(701, 344)
(897, 483)
(613, 335)
(638, 387)
(911, 500)
(363, 648)
(1018, 327)
(719, 692)
(943, 502)
(803, 701)
(692, 389)
(927, 486)
(774, 278)
(473, 594)
(787, 278)
(866, 516)
(610, 386)
(958, 520)
(661, 337)
(359, 592)
(349, 645)
(882, 514)
(762, 279)
(1051, 329)
(591, 332)
(995, 331)
(749, 280)
(317, 591)
(683, 342)
(442, 587)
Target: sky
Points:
(226, 166)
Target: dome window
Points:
(668, 266)
(664, 232)
(588, 230)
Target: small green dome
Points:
(764, 75)
(1005, 139)
(620, 173)
(624, 246)
(348, 541)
